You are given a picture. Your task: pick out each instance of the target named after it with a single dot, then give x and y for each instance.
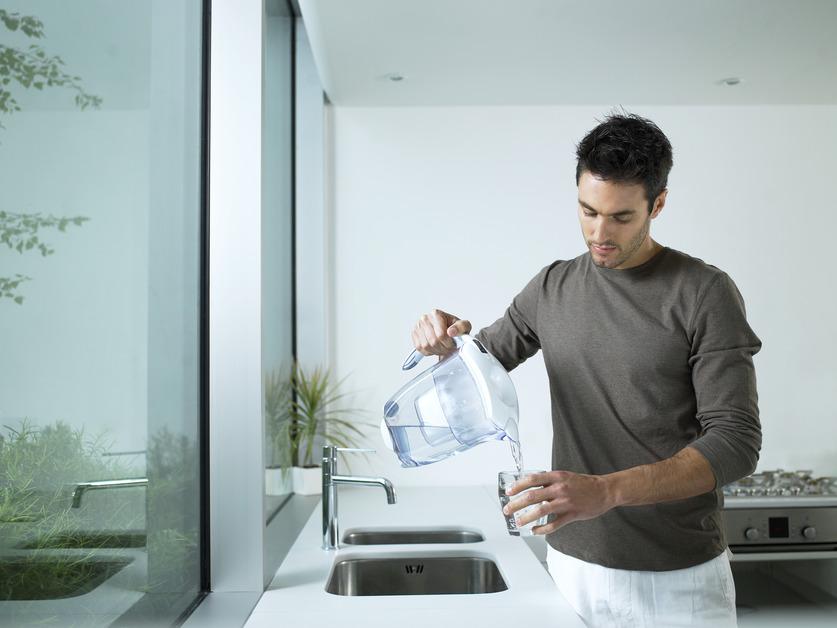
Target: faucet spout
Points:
(331, 480)
(366, 481)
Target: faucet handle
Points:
(331, 451)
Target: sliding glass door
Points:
(101, 301)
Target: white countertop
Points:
(297, 595)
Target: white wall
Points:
(458, 207)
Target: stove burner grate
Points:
(780, 483)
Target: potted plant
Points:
(303, 411)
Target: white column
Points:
(236, 430)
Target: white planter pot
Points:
(276, 482)
(307, 481)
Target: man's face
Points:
(615, 221)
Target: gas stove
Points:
(781, 511)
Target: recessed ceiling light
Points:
(730, 81)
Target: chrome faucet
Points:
(83, 487)
(331, 535)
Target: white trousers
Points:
(703, 595)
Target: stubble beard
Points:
(633, 247)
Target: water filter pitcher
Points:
(465, 399)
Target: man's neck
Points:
(648, 250)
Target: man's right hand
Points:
(434, 333)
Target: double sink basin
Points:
(428, 573)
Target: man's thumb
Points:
(459, 327)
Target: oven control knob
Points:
(751, 533)
(809, 532)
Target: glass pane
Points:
(100, 213)
(277, 267)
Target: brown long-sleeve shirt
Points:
(641, 363)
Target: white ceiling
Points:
(559, 52)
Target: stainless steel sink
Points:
(395, 536)
(415, 575)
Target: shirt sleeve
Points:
(724, 378)
(513, 338)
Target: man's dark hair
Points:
(627, 148)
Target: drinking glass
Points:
(504, 480)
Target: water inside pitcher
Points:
(465, 399)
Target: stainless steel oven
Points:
(781, 511)
(781, 528)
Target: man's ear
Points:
(659, 203)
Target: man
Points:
(654, 406)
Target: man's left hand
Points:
(568, 496)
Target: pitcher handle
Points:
(415, 357)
